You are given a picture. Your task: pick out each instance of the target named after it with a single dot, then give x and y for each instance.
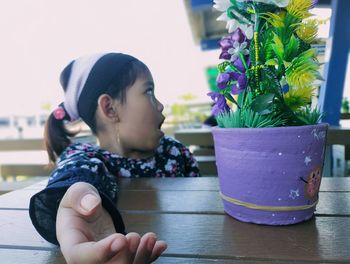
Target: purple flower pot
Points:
(270, 175)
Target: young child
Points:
(113, 94)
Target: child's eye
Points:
(150, 91)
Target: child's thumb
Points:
(82, 197)
(89, 202)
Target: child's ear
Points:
(107, 106)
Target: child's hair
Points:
(83, 81)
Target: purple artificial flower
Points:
(220, 103)
(240, 85)
(233, 44)
(238, 35)
(239, 65)
(222, 80)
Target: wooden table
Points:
(188, 214)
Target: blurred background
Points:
(177, 39)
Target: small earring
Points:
(118, 137)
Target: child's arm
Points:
(57, 210)
(87, 234)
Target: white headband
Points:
(80, 71)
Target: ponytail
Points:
(56, 137)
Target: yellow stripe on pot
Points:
(267, 208)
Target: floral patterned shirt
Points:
(83, 162)
(172, 159)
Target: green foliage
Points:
(278, 47)
(291, 49)
(309, 116)
(230, 119)
(263, 104)
(249, 119)
(280, 58)
(345, 105)
(269, 81)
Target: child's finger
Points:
(113, 247)
(134, 242)
(145, 249)
(82, 197)
(158, 249)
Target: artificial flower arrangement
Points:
(269, 68)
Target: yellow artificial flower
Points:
(300, 8)
(299, 97)
(307, 30)
(275, 19)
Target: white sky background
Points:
(40, 37)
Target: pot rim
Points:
(265, 129)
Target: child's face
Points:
(140, 118)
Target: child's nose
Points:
(160, 106)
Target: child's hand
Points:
(87, 235)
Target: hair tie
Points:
(59, 113)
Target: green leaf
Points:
(277, 47)
(291, 49)
(263, 104)
(248, 118)
(310, 116)
(270, 83)
(272, 62)
(228, 96)
(287, 64)
(230, 119)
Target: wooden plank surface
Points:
(25, 170)
(328, 184)
(324, 238)
(11, 256)
(338, 136)
(213, 236)
(200, 202)
(8, 186)
(22, 144)
(344, 115)
(165, 195)
(197, 137)
(188, 214)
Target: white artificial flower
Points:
(279, 3)
(247, 29)
(222, 5)
(232, 24)
(236, 49)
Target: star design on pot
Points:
(294, 194)
(307, 160)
